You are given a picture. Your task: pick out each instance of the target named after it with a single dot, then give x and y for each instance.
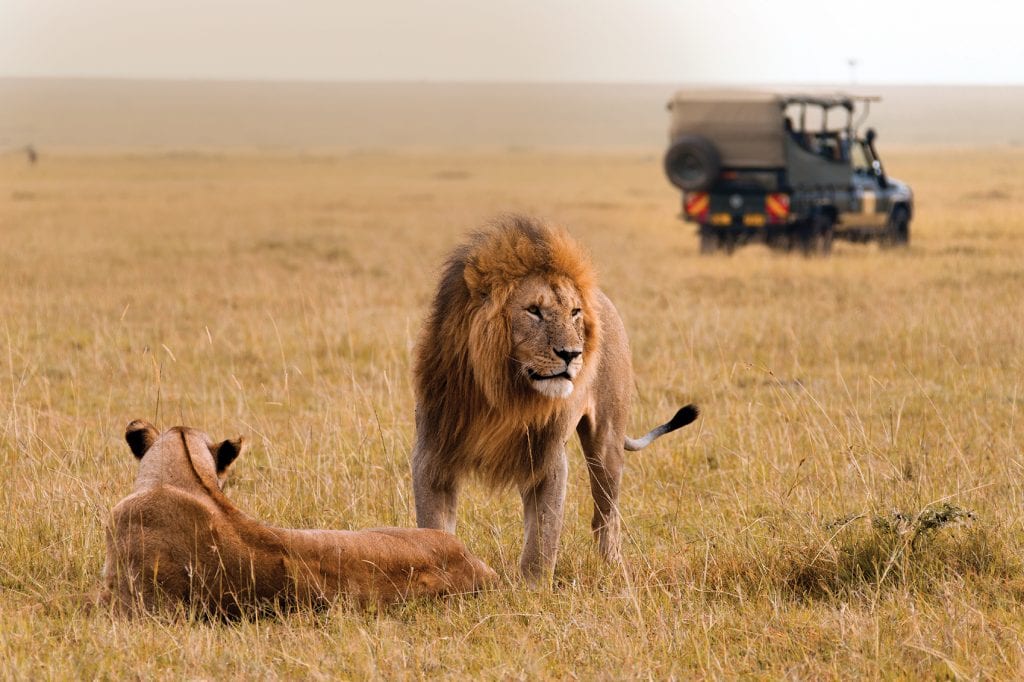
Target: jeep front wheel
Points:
(897, 230)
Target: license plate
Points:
(721, 219)
(754, 220)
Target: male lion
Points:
(178, 540)
(520, 348)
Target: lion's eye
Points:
(535, 311)
(576, 312)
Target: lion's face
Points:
(547, 323)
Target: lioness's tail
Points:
(684, 416)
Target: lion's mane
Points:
(472, 399)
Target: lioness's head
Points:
(531, 322)
(180, 454)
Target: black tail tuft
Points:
(686, 415)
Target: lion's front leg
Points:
(435, 503)
(543, 505)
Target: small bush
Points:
(897, 548)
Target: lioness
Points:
(178, 540)
(520, 348)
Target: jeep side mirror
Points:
(876, 168)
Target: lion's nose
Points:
(567, 355)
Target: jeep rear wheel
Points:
(710, 241)
(826, 234)
(815, 236)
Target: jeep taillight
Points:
(696, 205)
(776, 205)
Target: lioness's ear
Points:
(225, 452)
(140, 435)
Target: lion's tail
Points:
(684, 416)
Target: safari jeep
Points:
(773, 168)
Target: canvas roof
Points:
(746, 126)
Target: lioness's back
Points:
(167, 544)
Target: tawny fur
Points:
(510, 300)
(177, 540)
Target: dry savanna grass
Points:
(849, 504)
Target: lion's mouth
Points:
(552, 385)
(534, 376)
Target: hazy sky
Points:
(743, 41)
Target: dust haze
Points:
(120, 114)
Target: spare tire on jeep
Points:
(692, 163)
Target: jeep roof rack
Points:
(828, 101)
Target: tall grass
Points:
(813, 524)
